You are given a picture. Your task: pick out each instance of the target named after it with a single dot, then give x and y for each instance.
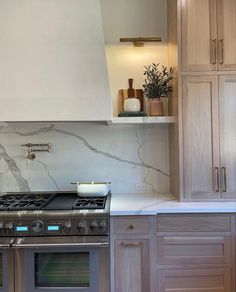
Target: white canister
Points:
(132, 104)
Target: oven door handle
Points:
(40, 245)
(4, 246)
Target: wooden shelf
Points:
(142, 120)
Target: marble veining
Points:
(127, 156)
(15, 170)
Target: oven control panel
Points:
(84, 226)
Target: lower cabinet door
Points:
(132, 270)
(195, 280)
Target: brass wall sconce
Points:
(139, 42)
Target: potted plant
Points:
(157, 84)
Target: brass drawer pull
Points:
(224, 182)
(213, 54)
(217, 176)
(221, 45)
(131, 244)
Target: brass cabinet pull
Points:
(224, 182)
(213, 54)
(217, 173)
(221, 45)
(131, 244)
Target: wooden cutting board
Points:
(123, 94)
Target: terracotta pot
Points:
(155, 107)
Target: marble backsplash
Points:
(131, 157)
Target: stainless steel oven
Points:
(55, 264)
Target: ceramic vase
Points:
(132, 104)
(155, 107)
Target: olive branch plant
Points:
(158, 81)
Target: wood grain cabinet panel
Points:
(226, 34)
(196, 280)
(199, 35)
(131, 225)
(132, 266)
(227, 119)
(193, 250)
(208, 35)
(200, 137)
(209, 139)
(194, 223)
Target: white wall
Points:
(132, 18)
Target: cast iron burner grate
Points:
(19, 202)
(90, 203)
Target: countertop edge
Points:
(154, 204)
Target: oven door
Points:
(62, 264)
(6, 265)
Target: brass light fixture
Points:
(139, 42)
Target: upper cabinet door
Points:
(226, 34)
(200, 138)
(53, 64)
(199, 35)
(227, 112)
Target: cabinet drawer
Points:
(195, 280)
(127, 225)
(191, 223)
(193, 250)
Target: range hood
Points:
(53, 64)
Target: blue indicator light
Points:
(21, 228)
(53, 228)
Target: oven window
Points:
(62, 269)
(1, 275)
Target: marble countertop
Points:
(151, 204)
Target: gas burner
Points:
(24, 201)
(90, 203)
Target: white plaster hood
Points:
(53, 64)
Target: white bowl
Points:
(92, 190)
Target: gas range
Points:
(53, 214)
(54, 241)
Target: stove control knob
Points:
(8, 228)
(67, 227)
(81, 227)
(94, 225)
(103, 225)
(37, 226)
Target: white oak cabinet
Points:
(53, 65)
(201, 48)
(227, 122)
(204, 280)
(132, 265)
(130, 254)
(195, 253)
(173, 252)
(208, 35)
(209, 140)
